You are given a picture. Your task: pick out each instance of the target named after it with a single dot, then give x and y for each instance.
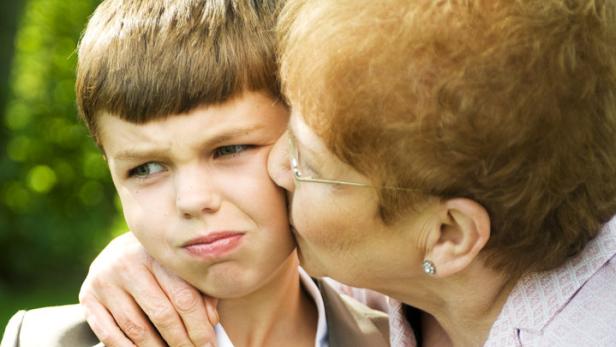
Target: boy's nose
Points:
(196, 194)
(279, 166)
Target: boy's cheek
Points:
(147, 209)
(149, 228)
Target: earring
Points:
(429, 268)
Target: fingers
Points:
(104, 326)
(151, 299)
(198, 319)
(132, 321)
(115, 317)
(119, 282)
(212, 311)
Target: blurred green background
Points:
(57, 204)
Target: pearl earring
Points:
(429, 268)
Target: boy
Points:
(183, 99)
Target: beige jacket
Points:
(349, 323)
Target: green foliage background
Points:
(57, 204)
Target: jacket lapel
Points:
(351, 324)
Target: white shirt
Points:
(321, 337)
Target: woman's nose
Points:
(278, 164)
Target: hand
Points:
(128, 296)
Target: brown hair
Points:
(146, 59)
(509, 103)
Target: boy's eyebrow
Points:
(159, 151)
(137, 154)
(231, 134)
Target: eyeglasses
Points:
(301, 177)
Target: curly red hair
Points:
(509, 103)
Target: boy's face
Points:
(196, 192)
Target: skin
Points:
(343, 220)
(337, 227)
(342, 237)
(177, 188)
(211, 179)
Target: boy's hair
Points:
(509, 103)
(146, 59)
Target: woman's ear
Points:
(464, 231)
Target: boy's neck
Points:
(279, 312)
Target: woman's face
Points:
(337, 227)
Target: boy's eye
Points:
(145, 170)
(229, 150)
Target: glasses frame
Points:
(298, 176)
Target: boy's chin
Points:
(226, 284)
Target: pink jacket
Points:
(574, 305)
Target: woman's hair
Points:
(146, 59)
(509, 103)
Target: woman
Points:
(460, 158)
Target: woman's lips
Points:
(214, 244)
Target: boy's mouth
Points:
(214, 244)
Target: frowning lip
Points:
(214, 244)
(212, 237)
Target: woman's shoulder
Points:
(49, 326)
(589, 315)
(572, 305)
(587, 286)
